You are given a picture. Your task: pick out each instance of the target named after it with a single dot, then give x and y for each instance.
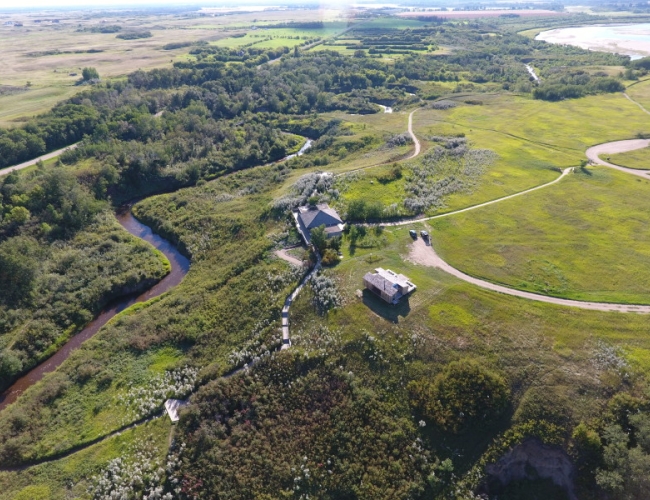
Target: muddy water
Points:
(180, 266)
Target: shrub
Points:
(330, 257)
(464, 394)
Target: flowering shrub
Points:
(326, 296)
(448, 168)
(307, 186)
(143, 401)
(137, 476)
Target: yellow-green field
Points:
(632, 159)
(584, 238)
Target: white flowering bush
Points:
(258, 346)
(139, 475)
(606, 357)
(142, 401)
(326, 295)
(444, 104)
(450, 167)
(314, 184)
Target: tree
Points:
(464, 394)
(319, 238)
(18, 267)
(89, 74)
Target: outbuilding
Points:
(388, 285)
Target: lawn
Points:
(585, 238)
(639, 158)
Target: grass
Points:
(640, 92)
(70, 476)
(584, 238)
(535, 345)
(281, 37)
(533, 140)
(639, 159)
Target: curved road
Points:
(594, 153)
(429, 257)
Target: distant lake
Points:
(629, 39)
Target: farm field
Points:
(263, 37)
(569, 240)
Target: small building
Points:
(388, 285)
(310, 217)
(172, 406)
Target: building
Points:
(310, 217)
(388, 285)
(172, 406)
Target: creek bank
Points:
(529, 461)
(180, 265)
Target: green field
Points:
(533, 140)
(262, 37)
(639, 159)
(585, 238)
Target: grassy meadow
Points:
(639, 159)
(640, 92)
(584, 238)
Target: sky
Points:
(53, 4)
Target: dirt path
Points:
(608, 148)
(29, 163)
(473, 207)
(638, 104)
(425, 255)
(414, 137)
(288, 258)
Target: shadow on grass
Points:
(391, 312)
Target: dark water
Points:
(180, 266)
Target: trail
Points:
(416, 152)
(637, 103)
(427, 256)
(29, 163)
(594, 153)
(473, 207)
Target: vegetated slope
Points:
(351, 371)
(582, 238)
(223, 314)
(63, 257)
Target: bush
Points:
(463, 395)
(330, 257)
(134, 35)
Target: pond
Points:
(629, 39)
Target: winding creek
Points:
(180, 265)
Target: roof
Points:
(172, 406)
(382, 284)
(319, 216)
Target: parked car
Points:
(424, 235)
(413, 234)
